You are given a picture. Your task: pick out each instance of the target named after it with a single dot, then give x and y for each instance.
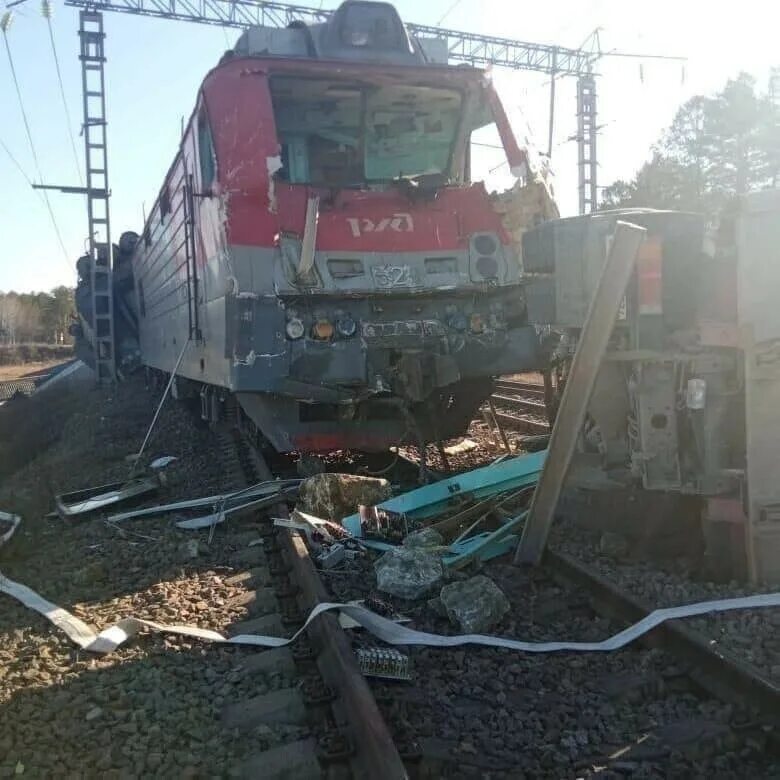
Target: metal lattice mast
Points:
(91, 37)
(587, 132)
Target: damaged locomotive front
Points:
(320, 245)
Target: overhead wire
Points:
(28, 132)
(16, 163)
(46, 11)
(448, 12)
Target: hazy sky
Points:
(155, 66)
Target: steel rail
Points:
(376, 755)
(515, 402)
(715, 670)
(523, 424)
(516, 386)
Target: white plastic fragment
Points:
(162, 462)
(14, 521)
(109, 639)
(260, 489)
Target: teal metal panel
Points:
(430, 500)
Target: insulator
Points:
(46, 9)
(5, 21)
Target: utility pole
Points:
(587, 131)
(91, 37)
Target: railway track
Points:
(520, 406)
(720, 674)
(323, 687)
(306, 711)
(685, 699)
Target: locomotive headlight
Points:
(294, 329)
(322, 330)
(485, 244)
(486, 256)
(346, 326)
(458, 321)
(487, 266)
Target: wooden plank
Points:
(574, 404)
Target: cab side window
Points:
(208, 164)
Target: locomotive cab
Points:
(319, 245)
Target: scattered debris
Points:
(222, 513)
(383, 662)
(475, 605)
(377, 523)
(484, 546)
(13, 522)
(408, 573)
(226, 500)
(335, 496)
(467, 445)
(113, 636)
(425, 537)
(432, 500)
(332, 556)
(162, 462)
(81, 502)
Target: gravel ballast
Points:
(152, 708)
(752, 636)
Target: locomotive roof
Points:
(358, 31)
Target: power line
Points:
(448, 12)
(4, 27)
(46, 11)
(15, 162)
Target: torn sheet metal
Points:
(433, 499)
(162, 462)
(262, 502)
(13, 522)
(225, 500)
(109, 639)
(484, 546)
(82, 502)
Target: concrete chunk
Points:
(335, 496)
(408, 573)
(474, 605)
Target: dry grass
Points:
(28, 370)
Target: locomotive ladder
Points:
(91, 37)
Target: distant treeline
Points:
(19, 354)
(718, 147)
(36, 318)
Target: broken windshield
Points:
(342, 134)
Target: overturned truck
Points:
(682, 428)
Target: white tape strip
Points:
(112, 637)
(14, 520)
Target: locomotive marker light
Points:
(322, 330)
(346, 326)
